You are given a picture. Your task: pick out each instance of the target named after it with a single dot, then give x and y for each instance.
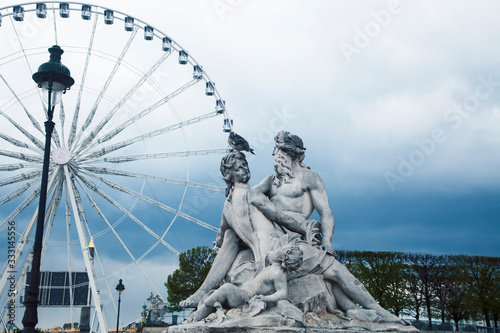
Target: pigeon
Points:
(238, 143)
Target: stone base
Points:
(181, 329)
(212, 329)
(154, 329)
(324, 323)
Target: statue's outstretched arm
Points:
(273, 213)
(281, 293)
(264, 186)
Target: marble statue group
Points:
(275, 266)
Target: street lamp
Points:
(54, 78)
(120, 287)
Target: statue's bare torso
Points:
(248, 222)
(294, 196)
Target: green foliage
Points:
(194, 266)
(482, 276)
(433, 286)
(457, 299)
(385, 276)
(425, 269)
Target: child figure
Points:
(269, 285)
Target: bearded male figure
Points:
(294, 188)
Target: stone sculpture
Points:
(259, 226)
(268, 286)
(156, 308)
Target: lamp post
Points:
(54, 78)
(120, 287)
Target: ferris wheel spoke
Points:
(74, 123)
(21, 207)
(115, 172)
(157, 204)
(20, 178)
(21, 45)
(141, 138)
(14, 194)
(79, 204)
(35, 141)
(27, 61)
(51, 212)
(23, 239)
(16, 166)
(18, 250)
(93, 111)
(127, 96)
(26, 202)
(96, 189)
(54, 21)
(55, 137)
(21, 156)
(137, 117)
(134, 260)
(62, 119)
(31, 118)
(124, 159)
(17, 143)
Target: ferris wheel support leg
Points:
(103, 325)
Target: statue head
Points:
(234, 169)
(288, 148)
(291, 144)
(290, 256)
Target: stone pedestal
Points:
(267, 323)
(154, 329)
(211, 329)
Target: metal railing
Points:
(446, 327)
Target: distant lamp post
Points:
(54, 78)
(120, 287)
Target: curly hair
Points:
(292, 258)
(290, 144)
(226, 165)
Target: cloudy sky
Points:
(398, 105)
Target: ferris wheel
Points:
(132, 143)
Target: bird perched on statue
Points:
(238, 143)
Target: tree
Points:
(385, 276)
(457, 298)
(441, 283)
(414, 289)
(425, 268)
(483, 273)
(345, 257)
(194, 265)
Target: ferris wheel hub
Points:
(61, 155)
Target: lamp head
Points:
(120, 287)
(53, 76)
